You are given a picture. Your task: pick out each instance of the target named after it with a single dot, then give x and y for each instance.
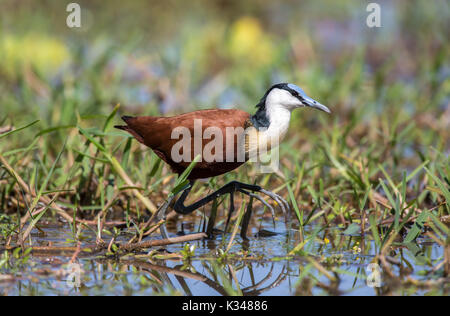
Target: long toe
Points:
(259, 198)
(280, 201)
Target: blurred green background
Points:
(173, 56)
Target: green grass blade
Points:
(18, 129)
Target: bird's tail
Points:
(122, 127)
(126, 119)
(129, 128)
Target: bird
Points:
(178, 139)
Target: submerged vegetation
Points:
(368, 184)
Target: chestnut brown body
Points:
(156, 133)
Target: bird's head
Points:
(289, 96)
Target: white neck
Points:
(279, 117)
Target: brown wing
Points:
(160, 134)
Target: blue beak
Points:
(314, 104)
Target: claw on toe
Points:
(284, 205)
(263, 202)
(277, 200)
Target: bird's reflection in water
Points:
(222, 278)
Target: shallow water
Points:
(256, 267)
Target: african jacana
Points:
(271, 121)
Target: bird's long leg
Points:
(162, 215)
(212, 219)
(180, 208)
(229, 188)
(231, 211)
(246, 219)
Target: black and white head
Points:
(283, 97)
(290, 97)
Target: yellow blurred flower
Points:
(249, 43)
(44, 53)
(356, 249)
(326, 241)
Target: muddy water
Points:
(259, 266)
